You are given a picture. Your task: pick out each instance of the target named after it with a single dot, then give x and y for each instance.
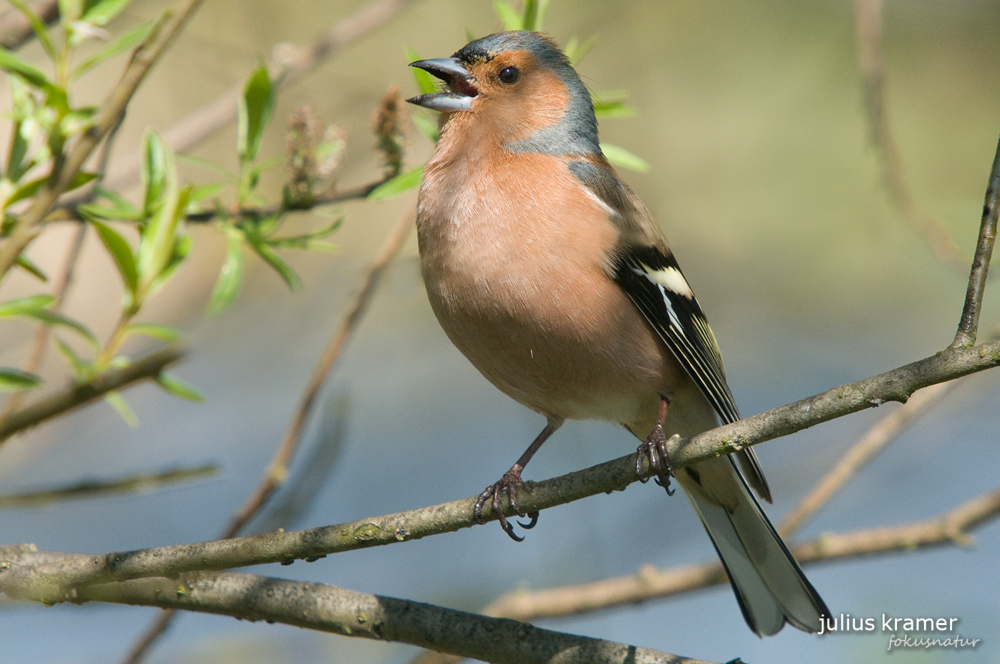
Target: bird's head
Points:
(519, 87)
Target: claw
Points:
(654, 448)
(531, 524)
(508, 484)
(511, 482)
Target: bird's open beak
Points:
(460, 91)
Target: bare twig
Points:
(351, 613)
(277, 470)
(106, 119)
(94, 488)
(948, 528)
(216, 114)
(868, 16)
(305, 604)
(861, 454)
(969, 324)
(15, 31)
(55, 580)
(317, 200)
(76, 396)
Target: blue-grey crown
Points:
(576, 133)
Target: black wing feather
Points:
(679, 320)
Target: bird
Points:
(549, 274)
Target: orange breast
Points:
(514, 254)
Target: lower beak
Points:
(460, 91)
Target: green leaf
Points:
(117, 401)
(230, 277)
(15, 380)
(208, 165)
(120, 250)
(82, 370)
(70, 10)
(51, 318)
(154, 169)
(121, 209)
(534, 14)
(256, 106)
(123, 42)
(102, 11)
(575, 50)
(204, 191)
(611, 104)
(621, 157)
(25, 264)
(38, 26)
(308, 240)
(425, 82)
(31, 188)
(16, 166)
(178, 388)
(154, 330)
(159, 240)
(397, 185)
(279, 264)
(25, 306)
(182, 247)
(508, 16)
(14, 65)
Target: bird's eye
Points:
(509, 75)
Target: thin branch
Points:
(318, 200)
(106, 119)
(15, 30)
(326, 608)
(868, 26)
(297, 62)
(76, 396)
(53, 581)
(876, 439)
(349, 613)
(969, 324)
(946, 529)
(95, 488)
(277, 470)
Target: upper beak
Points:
(460, 91)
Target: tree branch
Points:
(349, 613)
(948, 528)
(277, 470)
(862, 453)
(93, 488)
(53, 581)
(15, 30)
(76, 396)
(868, 29)
(969, 323)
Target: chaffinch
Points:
(549, 274)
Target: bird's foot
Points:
(654, 448)
(509, 484)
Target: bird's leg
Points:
(510, 482)
(654, 448)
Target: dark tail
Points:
(768, 583)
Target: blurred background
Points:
(763, 176)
